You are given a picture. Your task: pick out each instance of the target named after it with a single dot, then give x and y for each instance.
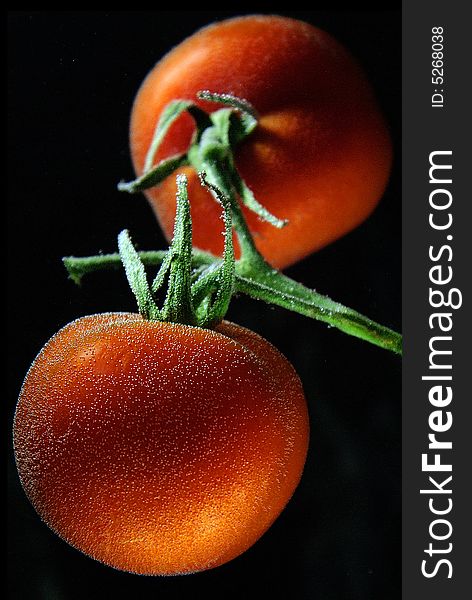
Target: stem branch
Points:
(268, 285)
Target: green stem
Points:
(264, 284)
(201, 285)
(224, 274)
(219, 177)
(276, 288)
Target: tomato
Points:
(159, 448)
(320, 156)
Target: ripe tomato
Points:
(159, 448)
(320, 156)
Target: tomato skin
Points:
(158, 448)
(321, 155)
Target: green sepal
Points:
(178, 306)
(249, 200)
(170, 114)
(222, 122)
(137, 279)
(210, 148)
(248, 115)
(219, 280)
(154, 174)
(157, 174)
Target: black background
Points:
(72, 79)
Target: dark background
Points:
(72, 79)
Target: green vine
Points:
(200, 285)
(294, 297)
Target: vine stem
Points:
(267, 284)
(200, 284)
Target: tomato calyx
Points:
(201, 285)
(211, 151)
(194, 297)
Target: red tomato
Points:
(320, 156)
(159, 448)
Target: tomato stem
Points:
(220, 276)
(265, 284)
(200, 285)
(219, 178)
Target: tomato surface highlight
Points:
(320, 156)
(159, 448)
